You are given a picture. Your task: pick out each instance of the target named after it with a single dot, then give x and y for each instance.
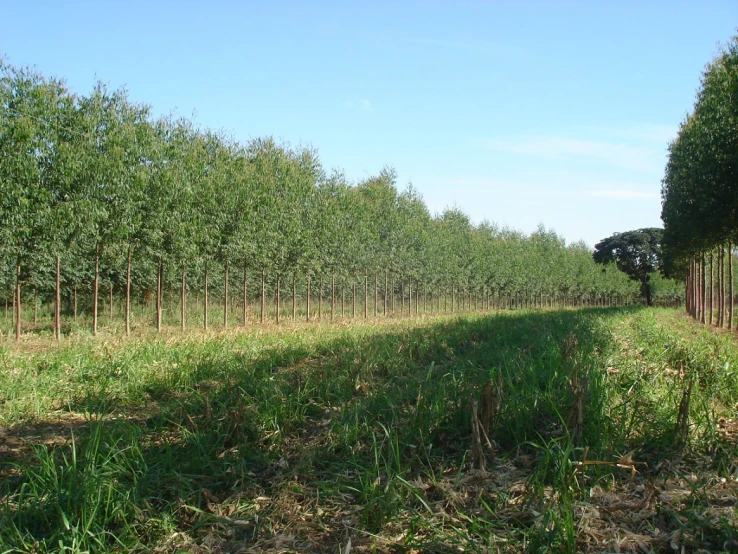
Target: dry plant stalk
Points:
(479, 434)
(491, 401)
(626, 462)
(477, 454)
(682, 423)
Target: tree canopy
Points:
(636, 253)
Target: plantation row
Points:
(96, 194)
(700, 194)
(325, 300)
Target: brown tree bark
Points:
(183, 301)
(385, 292)
(159, 302)
(366, 296)
(277, 299)
(225, 296)
(245, 296)
(730, 285)
(333, 295)
(722, 286)
(294, 295)
(393, 295)
(409, 297)
(205, 300)
(376, 293)
(17, 302)
(57, 301)
(263, 294)
(128, 294)
(307, 300)
(712, 288)
(94, 294)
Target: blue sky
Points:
(516, 112)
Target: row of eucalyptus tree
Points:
(700, 194)
(97, 196)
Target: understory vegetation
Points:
(567, 430)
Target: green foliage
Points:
(95, 177)
(700, 199)
(636, 253)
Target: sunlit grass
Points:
(301, 437)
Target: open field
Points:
(589, 430)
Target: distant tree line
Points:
(700, 194)
(98, 197)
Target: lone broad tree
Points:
(636, 253)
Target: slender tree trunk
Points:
(712, 288)
(376, 293)
(225, 296)
(128, 294)
(333, 295)
(410, 297)
(703, 288)
(353, 298)
(393, 295)
(57, 301)
(94, 294)
(277, 299)
(445, 299)
(263, 294)
(343, 295)
(111, 300)
(294, 295)
(183, 300)
(320, 299)
(730, 284)
(722, 286)
(366, 296)
(307, 300)
(159, 300)
(75, 303)
(385, 292)
(245, 296)
(17, 302)
(205, 300)
(35, 307)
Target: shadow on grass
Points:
(352, 418)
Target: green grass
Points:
(302, 438)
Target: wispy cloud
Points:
(617, 154)
(365, 104)
(641, 131)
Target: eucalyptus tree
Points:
(106, 191)
(334, 242)
(33, 217)
(282, 204)
(376, 220)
